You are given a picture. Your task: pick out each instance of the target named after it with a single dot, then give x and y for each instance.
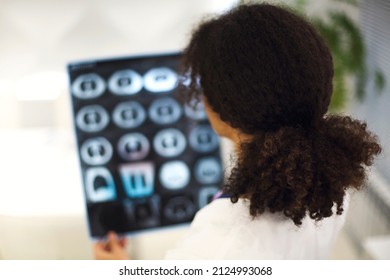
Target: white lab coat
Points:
(223, 230)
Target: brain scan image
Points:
(165, 111)
(129, 114)
(99, 185)
(92, 118)
(147, 161)
(174, 175)
(96, 151)
(203, 139)
(208, 171)
(138, 179)
(195, 110)
(179, 208)
(88, 86)
(133, 146)
(125, 82)
(169, 142)
(159, 80)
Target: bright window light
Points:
(41, 86)
(5, 87)
(223, 5)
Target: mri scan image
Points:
(174, 175)
(88, 86)
(92, 118)
(169, 142)
(128, 115)
(96, 151)
(125, 82)
(165, 111)
(99, 185)
(147, 160)
(159, 80)
(133, 146)
(138, 179)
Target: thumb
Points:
(100, 252)
(113, 241)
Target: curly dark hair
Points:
(268, 73)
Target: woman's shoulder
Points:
(225, 230)
(223, 211)
(219, 227)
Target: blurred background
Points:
(42, 212)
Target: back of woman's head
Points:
(268, 73)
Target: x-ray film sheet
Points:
(147, 160)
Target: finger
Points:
(102, 245)
(123, 242)
(113, 241)
(100, 253)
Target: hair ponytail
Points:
(300, 171)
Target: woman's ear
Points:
(220, 127)
(224, 129)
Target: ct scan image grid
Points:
(147, 161)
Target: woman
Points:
(266, 80)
